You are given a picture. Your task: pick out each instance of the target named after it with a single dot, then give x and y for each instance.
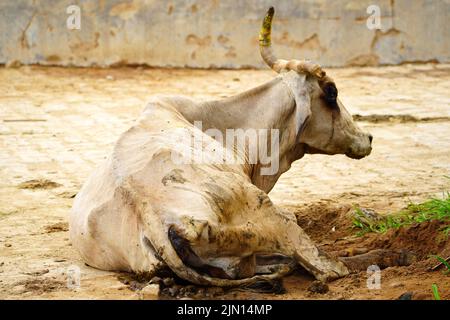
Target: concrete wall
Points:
(214, 33)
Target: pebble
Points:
(406, 296)
(318, 287)
(168, 282)
(149, 292)
(173, 291)
(422, 296)
(156, 280)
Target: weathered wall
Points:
(214, 33)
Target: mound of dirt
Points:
(57, 227)
(377, 118)
(39, 286)
(324, 222)
(401, 118)
(330, 225)
(38, 184)
(424, 239)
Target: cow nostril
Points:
(370, 138)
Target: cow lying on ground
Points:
(212, 222)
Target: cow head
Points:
(328, 127)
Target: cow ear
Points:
(330, 92)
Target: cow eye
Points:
(330, 93)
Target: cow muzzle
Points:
(361, 147)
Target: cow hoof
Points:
(189, 257)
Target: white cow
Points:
(213, 223)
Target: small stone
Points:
(109, 77)
(150, 292)
(200, 293)
(421, 296)
(8, 245)
(406, 296)
(156, 280)
(318, 287)
(168, 282)
(190, 290)
(136, 285)
(173, 292)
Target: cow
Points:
(212, 223)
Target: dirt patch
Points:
(57, 227)
(67, 194)
(38, 184)
(330, 225)
(401, 118)
(324, 222)
(423, 239)
(37, 273)
(39, 286)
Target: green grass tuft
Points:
(434, 287)
(433, 209)
(435, 290)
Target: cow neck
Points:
(268, 106)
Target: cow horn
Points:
(278, 65)
(265, 47)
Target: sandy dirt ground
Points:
(56, 124)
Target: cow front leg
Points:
(382, 258)
(295, 242)
(226, 252)
(277, 234)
